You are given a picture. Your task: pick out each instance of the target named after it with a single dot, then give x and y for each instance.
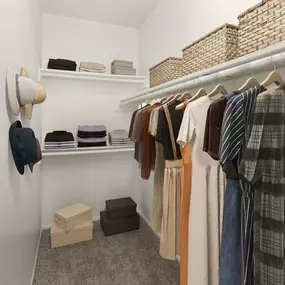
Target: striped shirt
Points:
(232, 146)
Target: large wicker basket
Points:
(261, 26)
(167, 70)
(219, 46)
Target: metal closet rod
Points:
(256, 62)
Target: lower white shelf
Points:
(86, 150)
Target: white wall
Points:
(94, 178)
(176, 23)
(82, 40)
(20, 195)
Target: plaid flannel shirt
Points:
(263, 165)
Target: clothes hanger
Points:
(251, 82)
(199, 94)
(273, 77)
(169, 99)
(174, 98)
(220, 88)
(184, 96)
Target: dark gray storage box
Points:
(117, 226)
(121, 208)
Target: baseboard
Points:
(148, 223)
(47, 227)
(36, 258)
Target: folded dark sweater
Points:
(91, 144)
(62, 68)
(62, 62)
(59, 136)
(91, 135)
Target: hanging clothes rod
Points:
(256, 62)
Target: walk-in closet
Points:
(142, 142)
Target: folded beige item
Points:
(122, 63)
(92, 70)
(124, 71)
(92, 65)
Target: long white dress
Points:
(207, 198)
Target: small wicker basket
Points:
(261, 26)
(167, 70)
(218, 46)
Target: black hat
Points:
(24, 146)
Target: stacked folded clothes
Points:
(92, 67)
(62, 64)
(120, 138)
(123, 67)
(59, 140)
(92, 136)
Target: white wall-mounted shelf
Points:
(86, 150)
(75, 75)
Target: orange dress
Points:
(185, 209)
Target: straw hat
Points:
(41, 96)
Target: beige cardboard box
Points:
(72, 216)
(81, 233)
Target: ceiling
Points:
(120, 12)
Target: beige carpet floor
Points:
(126, 259)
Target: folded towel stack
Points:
(62, 64)
(92, 136)
(59, 140)
(92, 67)
(119, 138)
(122, 67)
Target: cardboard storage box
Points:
(72, 216)
(81, 233)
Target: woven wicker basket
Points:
(219, 46)
(261, 26)
(167, 70)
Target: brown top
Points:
(212, 136)
(148, 145)
(144, 142)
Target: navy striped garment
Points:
(232, 146)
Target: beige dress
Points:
(158, 174)
(206, 205)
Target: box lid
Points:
(72, 212)
(57, 231)
(120, 204)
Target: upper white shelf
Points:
(86, 150)
(75, 75)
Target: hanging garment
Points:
(185, 210)
(207, 193)
(231, 257)
(158, 176)
(231, 253)
(144, 142)
(263, 165)
(167, 131)
(233, 142)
